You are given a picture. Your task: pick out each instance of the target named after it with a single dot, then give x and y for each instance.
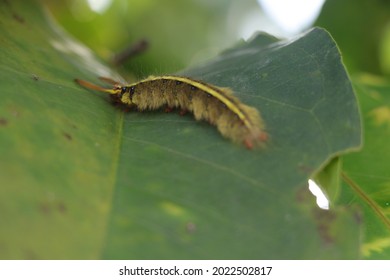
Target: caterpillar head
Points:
(122, 94)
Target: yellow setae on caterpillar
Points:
(234, 120)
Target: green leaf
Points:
(329, 178)
(56, 169)
(81, 179)
(359, 28)
(366, 174)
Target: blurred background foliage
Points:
(360, 27)
(122, 23)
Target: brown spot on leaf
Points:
(49, 208)
(190, 227)
(324, 221)
(305, 169)
(67, 136)
(61, 207)
(18, 18)
(3, 122)
(303, 195)
(358, 215)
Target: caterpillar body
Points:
(235, 120)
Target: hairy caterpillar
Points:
(234, 120)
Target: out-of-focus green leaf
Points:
(329, 178)
(80, 179)
(366, 174)
(358, 28)
(178, 32)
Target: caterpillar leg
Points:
(257, 140)
(248, 144)
(183, 112)
(263, 137)
(168, 109)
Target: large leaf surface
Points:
(57, 170)
(80, 179)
